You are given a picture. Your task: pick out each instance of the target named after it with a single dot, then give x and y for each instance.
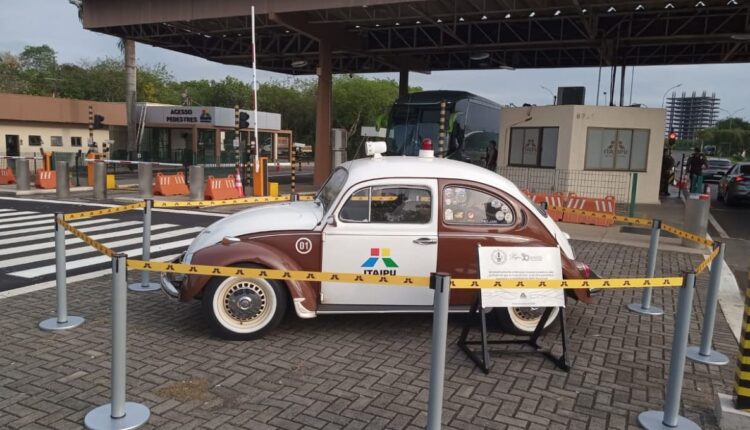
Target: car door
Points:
(382, 227)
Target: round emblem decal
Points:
(303, 245)
(499, 257)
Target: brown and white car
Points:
(395, 215)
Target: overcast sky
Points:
(55, 23)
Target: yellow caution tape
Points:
(84, 237)
(100, 212)
(687, 235)
(704, 264)
(242, 201)
(414, 281)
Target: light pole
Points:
(554, 97)
(663, 98)
(731, 116)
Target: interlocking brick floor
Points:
(352, 371)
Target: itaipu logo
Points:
(377, 254)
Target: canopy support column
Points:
(323, 114)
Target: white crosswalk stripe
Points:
(27, 247)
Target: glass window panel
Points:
(622, 148)
(549, 147)
(467, 206)
(75, 141)
(400, 205)
(531, 147)
(55, 140)
(640, 150)
(357, 208)
(516, 146)
(594, 140)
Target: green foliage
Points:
(731, 136)
(356, 101)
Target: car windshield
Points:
(331, 189)
(719, 163)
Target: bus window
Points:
(482, 126)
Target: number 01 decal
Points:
(303, 245)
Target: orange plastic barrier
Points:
(555, 199)
(7, 177)
(606, 204)
(221, 188)
(46, 179)
(171, 185)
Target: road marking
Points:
(77, 264)
(51, 235)
(716, 225)
(7, 210)
(70, 280)
(47, 221)
(18, 261)
(5, 215)
(50, 227)
(25, 218)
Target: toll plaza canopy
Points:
(361, 36)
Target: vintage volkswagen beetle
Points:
(381, 215)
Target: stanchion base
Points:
(714, 357)
(52, 324)
(100, 418)
(138, 286)
(653, 310)
(654, 420)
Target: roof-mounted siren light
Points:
(425, 149)
(375, 149)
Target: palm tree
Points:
(127, 48)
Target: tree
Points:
(38, 65)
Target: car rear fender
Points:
(304, 294)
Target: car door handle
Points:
(425, 241)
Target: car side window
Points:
(389, 205)
(471, 207)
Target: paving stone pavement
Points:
(352, 372)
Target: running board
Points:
(328, 309)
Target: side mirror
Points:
(331, 221)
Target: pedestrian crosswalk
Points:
(27, 247)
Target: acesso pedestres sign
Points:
(206, 116)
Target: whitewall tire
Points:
(244, 308)
(522, 321)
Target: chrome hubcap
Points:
(244, 301)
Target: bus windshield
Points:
(409, 124)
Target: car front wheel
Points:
(522, 321)
(244, 308)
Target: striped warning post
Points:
(742, 390)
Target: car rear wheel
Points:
(522, 321)
(244, 308)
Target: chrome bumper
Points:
(168, 287)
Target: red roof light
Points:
(426, 144)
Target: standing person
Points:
(492, 155)
(695, 165)
(667, 164)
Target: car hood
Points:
(276, 217)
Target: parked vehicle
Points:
(735, 185)
(381, 215)
(717, 167)
(471, 125)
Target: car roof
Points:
(719, 159)
(403, 166)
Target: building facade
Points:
(687, 115)
(593, 151)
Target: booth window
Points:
(389, 205)
(616, 149)
(471, 207)
(75, 141)
(35, 140)
(55, 140)
(533, 146)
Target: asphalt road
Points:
(27, 239)
(734, 222)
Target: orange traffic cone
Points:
(238, 183)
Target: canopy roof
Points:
(392, 35)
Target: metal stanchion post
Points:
(23, 176)
(119, 414)
(63, 321)
(146, 284)
(145, 180)
(704, 353)
(670, 417)
(100, 180)
(441, 284)
(62, 185)
(644, 307)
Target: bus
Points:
(471, 124)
